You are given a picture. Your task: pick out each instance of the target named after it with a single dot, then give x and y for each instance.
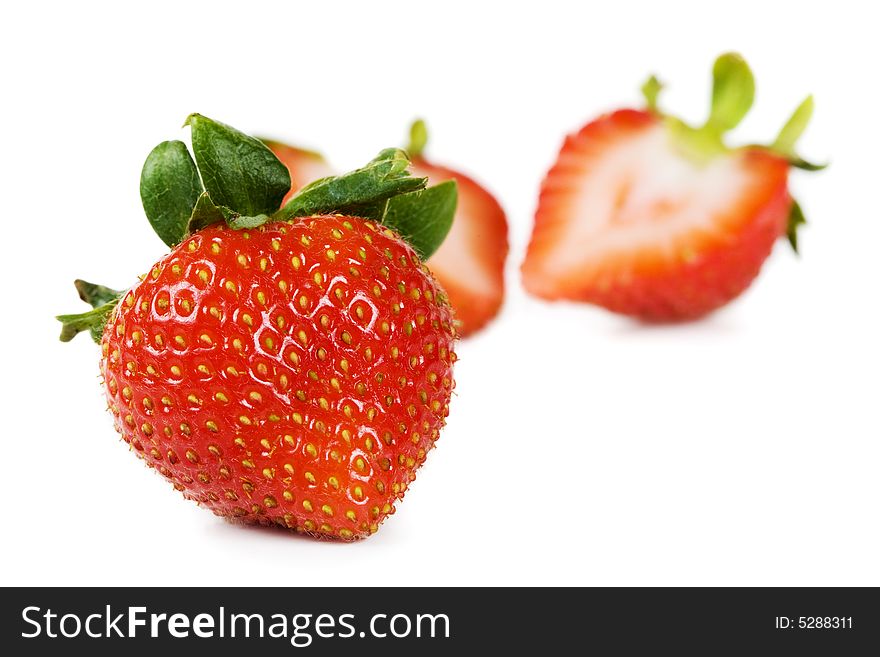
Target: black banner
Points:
(435, 621)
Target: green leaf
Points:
(733, 92)
(796, 219)
(385, 176)
(92, 321)
(799, 163)
(239, 172)
(206, 213)
(418, 138)
(95, 295)
(170, 186)
(374, 211)
(794, 128)
(423, 218)
(651, 90)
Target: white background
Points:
(582, 448)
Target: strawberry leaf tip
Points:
(92, 321)
(95, 295)
(170, 186)
(418, 138)
(651, 89)
(796, 219)
(733, 92)
(102, 299)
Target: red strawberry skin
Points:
(685, 275)
(470, 262)
(293, 375)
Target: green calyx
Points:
(733, 93)
(236, 179)
(102, 300)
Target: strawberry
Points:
(289, 366)
(470, 262)
(647, 216)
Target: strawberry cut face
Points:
(629, 221)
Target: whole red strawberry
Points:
(292, 369)
(648, 216)
(470, 262)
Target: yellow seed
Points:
(307, 505)
(247, 319)
(298, 418)
(358, 493)
(248, 464)
(230, 285)
(311, 450)
(287, 495)
(309, 477)
(219, 396)
(327, 509)
(205, 338)
(261, 297)
(295, 262)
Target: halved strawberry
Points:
(470, 262)
(304, 165)
(647, 216)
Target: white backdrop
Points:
(582, 448)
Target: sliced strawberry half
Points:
(304, 165)
(470, 262)
(646, 216)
